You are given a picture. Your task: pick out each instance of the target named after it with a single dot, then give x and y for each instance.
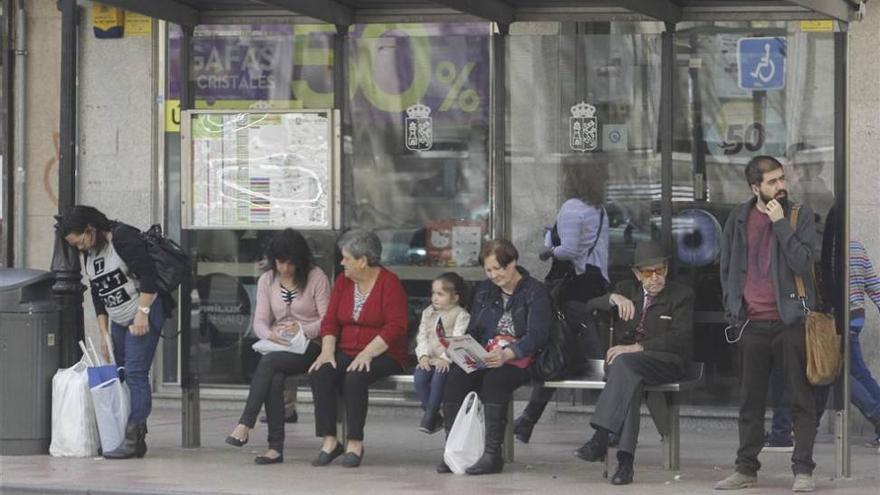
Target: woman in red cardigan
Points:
(363, 339)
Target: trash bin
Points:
(29, 357)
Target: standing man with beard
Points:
(760, 256)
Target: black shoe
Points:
(263, 460)
(591, 451)
(231, 440)
(324, 458)
(352, 460)
(492, 461)
(442, 468)
(522, 428)
(128, 448)
(623, 475)
(293, 417)
(431, 423)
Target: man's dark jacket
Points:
(792, 252)
(669, 321)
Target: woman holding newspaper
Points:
(511, 315)
(292, 297)
(129, 305)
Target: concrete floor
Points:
(399, 459)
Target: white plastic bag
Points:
(74, 432)
(467, 438)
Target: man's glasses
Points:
(660, 271)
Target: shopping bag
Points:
(111, 402)
(467, 438)
(74, 432)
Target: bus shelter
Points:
(449, 122)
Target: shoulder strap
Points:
(598, 231)
(798, 280)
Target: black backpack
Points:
(172, 263)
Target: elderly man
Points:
(655, 347)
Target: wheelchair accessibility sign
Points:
(761, 63)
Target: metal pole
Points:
(340, 104)
(500, 192)
(65, 260)
(842, 465)
(667, 122)
(189, 379)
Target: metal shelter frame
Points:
(345, 13)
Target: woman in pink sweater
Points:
(292, 297)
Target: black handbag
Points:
(171, 262)
(561, 356)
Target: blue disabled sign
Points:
(761, 63)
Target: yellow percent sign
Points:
(446, 73)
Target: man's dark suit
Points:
(668, 347)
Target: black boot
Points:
(450, 410)
(141, 440)
(492, 460)
(128, 448)
(525, 423)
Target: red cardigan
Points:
(384, 313)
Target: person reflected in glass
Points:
(511, 316)
(363, 339)
(578, 245)
(292, 298)
(130, 307)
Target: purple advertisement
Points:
(391, 68)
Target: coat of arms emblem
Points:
(583, 127)
(418, 128)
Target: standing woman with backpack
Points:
(578, 246)
(129, 305)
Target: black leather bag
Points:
(172, 263)
(554, 361)
(561, 356)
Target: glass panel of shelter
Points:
(428, 200)
(730, 107)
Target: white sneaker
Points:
(803, 483)
(736, 481)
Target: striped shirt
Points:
(577, 224)
(863, 279)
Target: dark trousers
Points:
(326, 381)
(494, 385)
(429, 387)
(267, 387)
(135, 355)
(762, 345)
(619, 404)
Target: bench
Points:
(662, 402)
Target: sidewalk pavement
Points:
(399, 459)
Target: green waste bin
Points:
(29, 357)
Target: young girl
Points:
(444, 317)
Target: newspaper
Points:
(466, 352)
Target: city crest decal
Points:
(583, 127)
(418, 128)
